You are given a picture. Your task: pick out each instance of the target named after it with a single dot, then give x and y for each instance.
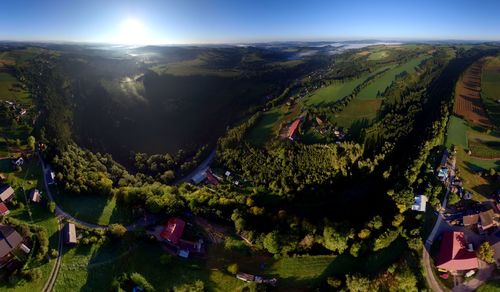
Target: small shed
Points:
(70, 233)
(35, 196)
(470, 220)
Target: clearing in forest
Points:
(468, 102)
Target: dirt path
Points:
(49, 285)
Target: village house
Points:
(211, 178)
(6, 193)
(173, 230)
(70, 234)
(454, 254)
(292, 130)
(470, 220)
(10, 239)
(4, 210)
(420, 203)
(487, 220)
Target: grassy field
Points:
(490, 88)
(93, 208)
(358, 110)
(334, 92)
(8, 92)
(484, 145)
(378, 55)
(457, 132)
(266, 126)
(22, 182)
(461, 135)
(385, 80)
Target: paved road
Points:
(202, 166)
(432, 281)
(60, 213)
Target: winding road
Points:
(61, 214)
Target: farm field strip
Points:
(468, 102)
(384, 81)
(490, 85)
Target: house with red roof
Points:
(454, 255)
(212, 179)
(3, 209)
(173, 230)
(292, 130)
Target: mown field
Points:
(358, 111)
(334, 92)
(457, 132)
(490, 88)
(93, 208)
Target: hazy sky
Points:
(203, 21)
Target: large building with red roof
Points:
(173, 230)
(293, 129)
(454, 255)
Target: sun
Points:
(131, 32)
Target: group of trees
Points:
(165, 167)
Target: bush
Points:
(117, 230)
(233, 269)
(52, 207)
(54, 253)
(32, 275)
(197, 286)
(139, 280)
(486, 252)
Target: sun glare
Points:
(132, 32)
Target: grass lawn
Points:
(358, 110)
(93, 268)
(7, 92)
(378, 55)
(384, 81)
(472, 181)
(457, 132)
(22, 182)
(490, 88)
(93, 208)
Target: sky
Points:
(240, 21)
